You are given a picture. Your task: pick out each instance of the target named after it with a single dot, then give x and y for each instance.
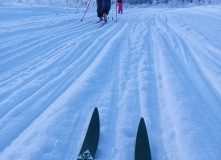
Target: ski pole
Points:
(86, 10)
(116, 10)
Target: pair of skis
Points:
(101, 22)
(89, 147)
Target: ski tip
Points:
(96, 109)
(142, 123)
(142, 120)
(142, 146)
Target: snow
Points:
(158, 63)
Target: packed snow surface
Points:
(157, 63)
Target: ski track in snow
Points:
(160, 64)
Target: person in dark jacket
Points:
(103, 8)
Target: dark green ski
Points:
(90, 143)
(142, 148)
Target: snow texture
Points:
(157, 63)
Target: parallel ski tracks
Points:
(125, 69)
(78, 65)
(181, 76)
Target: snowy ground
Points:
(160, 64)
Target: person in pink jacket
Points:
(120, 6)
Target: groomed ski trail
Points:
(55, 69)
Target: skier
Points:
(120, 8)
(103, 8)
